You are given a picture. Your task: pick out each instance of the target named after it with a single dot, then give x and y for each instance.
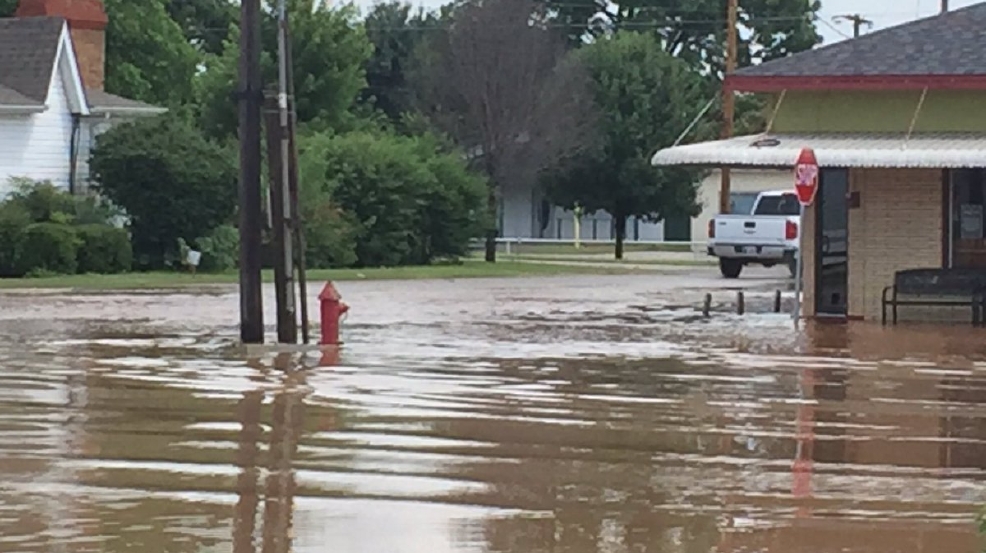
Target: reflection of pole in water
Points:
(244, 521)
(805, 436)
(287, 420)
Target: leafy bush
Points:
(103, 249)
(330, 236)
(13, 220)
(46, 203)
(171, 181)
(410, 203)
(220, 249)
(49, 247)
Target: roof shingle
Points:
(947, 44)
(27, 54)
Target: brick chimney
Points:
(87, 23)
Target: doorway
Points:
(832, 244)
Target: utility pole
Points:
(279, 161)
(250, 106)
(944, 6)
(858, 21)
(728, 101)
(300, 245)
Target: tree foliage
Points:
(147, 55)
(409, 203)
(499, 86)
(172, 182)
(695, 30)
(645, 98)
(329, 51)
(205, 23)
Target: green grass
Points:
(468, 269)
(590, 249)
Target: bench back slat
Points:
(940, 282)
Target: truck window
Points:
(785, 204)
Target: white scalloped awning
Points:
(924, 151)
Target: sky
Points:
(883, 13)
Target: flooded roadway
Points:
(575, 414)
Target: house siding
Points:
(37, 146)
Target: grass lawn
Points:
(573, 259)
(468, 269)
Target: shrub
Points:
(13, 220)
(410, 203)
(330, 236)
(220, 249)
(103, 249)
(171, 181)
(49, 247)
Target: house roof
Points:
(890, 150)
(28, 47)
(28, 50)
(104, 102)
(946, 45)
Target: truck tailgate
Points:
(747, 229)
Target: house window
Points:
(966, 206)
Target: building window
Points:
(966, 205)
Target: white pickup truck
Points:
(768, 236)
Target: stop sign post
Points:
(806, 186)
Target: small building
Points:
(52, 100)
(526, 213)
(897, 120)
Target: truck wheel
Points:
(730, 268)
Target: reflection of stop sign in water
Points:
(806, 177)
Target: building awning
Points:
(891, 150)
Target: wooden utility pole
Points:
(857, 22)
(729, 100)
(250, 197)
(944, 6)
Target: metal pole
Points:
(287, 320)
(299, 228)
(250, 220)
(800, 271)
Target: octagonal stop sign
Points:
(806, 177)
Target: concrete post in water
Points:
(777, 301)
(707, 305)
(740, 303)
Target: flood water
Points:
(591, 414)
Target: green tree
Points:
(329, 51)
(696, 30)
(205, 23)
(147, 55)
(171, 181)
(8, 7)
(645, 98)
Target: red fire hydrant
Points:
(332, 310)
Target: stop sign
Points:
(806, 177)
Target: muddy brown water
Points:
(578, 415)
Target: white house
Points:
(526, 213)
(52, 102)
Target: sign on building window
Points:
(971, 221)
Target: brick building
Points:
(897, 119)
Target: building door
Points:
(832, 243)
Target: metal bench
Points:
(937, 287)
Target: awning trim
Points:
(867, 150)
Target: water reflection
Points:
(598, 436)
